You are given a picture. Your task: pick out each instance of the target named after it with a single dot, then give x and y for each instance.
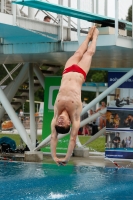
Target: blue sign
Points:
(119, 154)
(114, 76)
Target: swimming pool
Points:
(31, 181)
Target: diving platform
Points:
(43, 5)
(34, 41)
(23, 45)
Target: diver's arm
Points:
(54, 141)
(72, 142)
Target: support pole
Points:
(132, 18)
(107, 91)
(94, 137)
(7, 72)
(97, 7)
(106, 7)
(78, 20)
(32, 107)
(39, 75)
(97, 94)
(93, 10)
(14, 13)
(2, 6)
(116, 17)
(69, 23)
(92, 117)
(6, 104)
(31, 13)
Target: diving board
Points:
(43, 5)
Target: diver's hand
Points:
(57, 160)
(62, 161)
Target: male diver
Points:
(68, 103)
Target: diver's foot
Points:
(91, 31)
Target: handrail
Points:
(11, 72)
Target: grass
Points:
(17, 137)
(97, 145)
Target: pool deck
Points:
(92, 160)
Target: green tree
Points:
(94, 76)
(129, 16)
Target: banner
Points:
(119, 119)
(52, 85)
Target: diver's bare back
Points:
(69, 96)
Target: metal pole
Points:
(93, 10)
(97, 94)
(31, 13)
(78, 20)
(106, 7)
(132, 18)
(7, 71)
(61, 24)
(94, 137)
(32, 107)
(107, 91)
(69, 23)
(2, 6)
(39, 75)
(14, 13)
(116, 17)
(92, 117)
(97, 7)
(6, 104)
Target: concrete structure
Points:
(31, 156)
(81, 152)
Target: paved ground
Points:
(101, 162)
(14, 131)
(93, 160)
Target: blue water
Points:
(28, 181)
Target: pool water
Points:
(31, 181)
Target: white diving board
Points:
(43, 5)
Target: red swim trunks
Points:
(75, 68)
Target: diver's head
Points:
(63, 123)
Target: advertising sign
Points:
(119, 119)
(52, 85)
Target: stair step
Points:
(20, 97)
(35, 78)
(23, 90)
(36, 84)
(46, 71)
(16, 103)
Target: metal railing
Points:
(10, 73)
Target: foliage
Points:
(94, 76)
(129, 16)
(97, 76)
